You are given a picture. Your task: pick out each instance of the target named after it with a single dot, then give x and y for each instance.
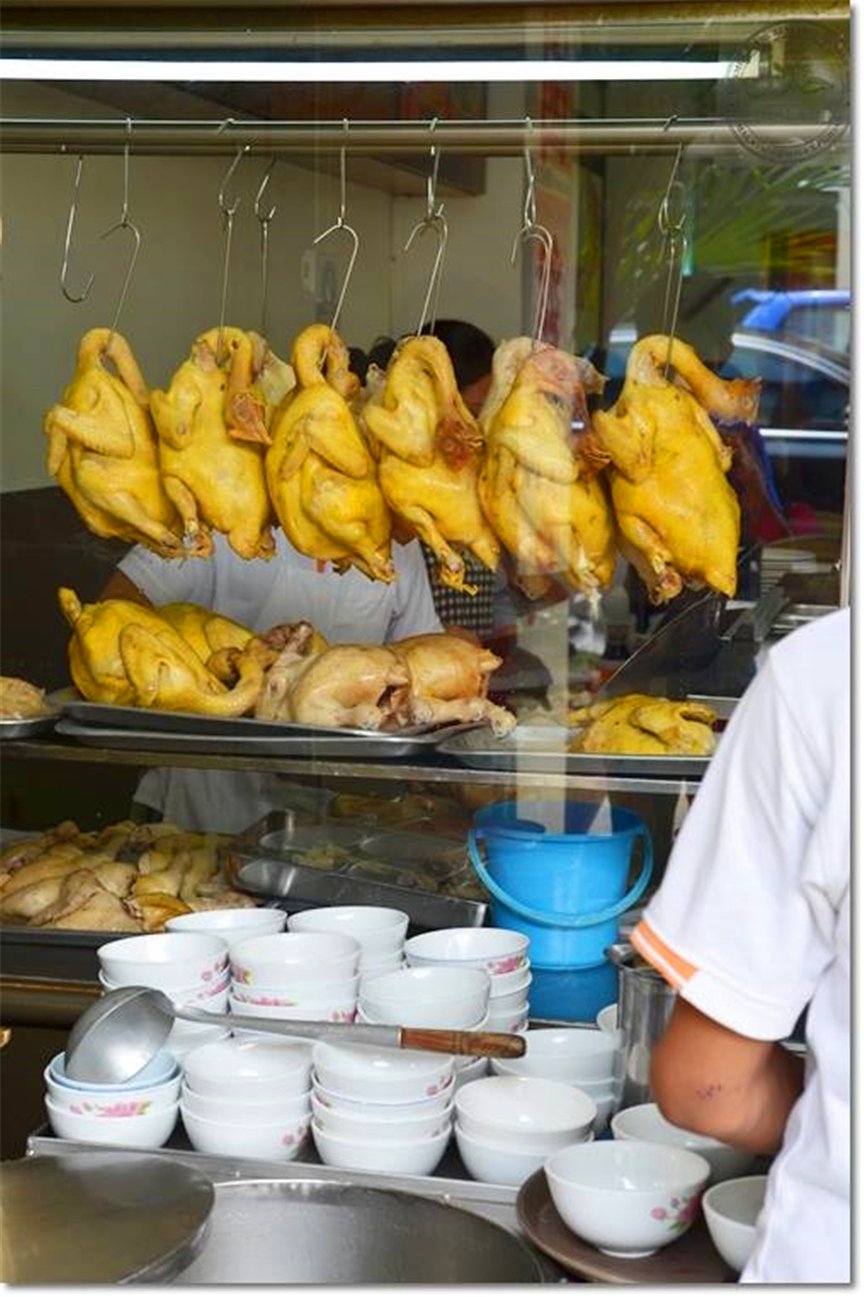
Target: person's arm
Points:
(119, 586)
(717, 1082)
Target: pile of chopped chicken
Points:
(124, 878)
(638, 724)
(20, 701)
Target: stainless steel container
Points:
(645, 1002)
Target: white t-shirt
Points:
(752, 923)
(346, 608)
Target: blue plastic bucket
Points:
(572, 994)
(564, 890)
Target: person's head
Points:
(380, 352)
(471, 351)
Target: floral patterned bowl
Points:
(241, 1110)
(279, 1141)
(118, 1127)
(112, 1101)
(170, 961)
(524, 1112)
(627, 1198)
(497, 951)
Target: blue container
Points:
(572, 994)
(564, 890)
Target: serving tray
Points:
(279, 741)
(542, 749)
(28, 727)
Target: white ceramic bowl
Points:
(162, 1067)
(513, 1002)
(232, 925)
(292, 958)
(381, 1075)
(256, 1070)
(327, 1011)
(417, 1157)
(100, 1101)
(627, 1198)
(470, 1069)
(506, 983)
(574, 1054)
(512, 1022)
(496, 950)
(427, 997)
(731, 1212)
(383, 1110)
(607, 1018)
(279, 1140)
(498, 1163)
(243, 1110)
(168, 960)
(380, 930)
(303, 993)
(143, 1130)
(375, 967)
(646, 1121)
(524, 1112)
(354, 1125)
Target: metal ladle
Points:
(118, 1036)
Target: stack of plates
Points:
(779, 559)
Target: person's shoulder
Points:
(811, 666)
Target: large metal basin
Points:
(314, 1232)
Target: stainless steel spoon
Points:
(118, 1035)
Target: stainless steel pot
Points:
(645, 1002)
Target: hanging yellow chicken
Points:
(122, 652)
(212, 434)
(539, 486)
(321, 475)
(430, 450)
(102, 448)
(678, 517)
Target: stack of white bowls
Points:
(501, 953)
(377, 1109)
(310, 976)
(190, 967)
(579, 1056)
(230, 924)
(248, 1098)
(427, 997)
(139, 1113)
(379, 930)
(506, 1126)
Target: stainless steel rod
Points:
(63, 135)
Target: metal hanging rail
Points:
(624, 135)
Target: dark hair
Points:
(471, 350)
(358, 362)
(380, 352)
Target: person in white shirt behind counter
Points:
(258, 593)
(751, 925)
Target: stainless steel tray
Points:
(355, 745)
(542, 749)
(29, 728)
(137, 719)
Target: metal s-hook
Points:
(671, 221)
(341, 224)
(264, 219)
(124, 224)
(533, 230)
(67, 243)
(433, 220)
(228, 211)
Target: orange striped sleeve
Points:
(673, 968)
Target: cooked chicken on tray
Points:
(639, 724)
(124, 878)
(321, 474)
(539, 486)
(102, 448)
(430, 452)
(677, 515)
(21, 701)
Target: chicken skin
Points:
(430, 451)
(203, 630)
(640, 724)
(102, 448)
(212, 436)
(678, 517)
(345, 686)
(539, 486)
(322, 478)
(121, 652)
(449, 680)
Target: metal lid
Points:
(101, 1217)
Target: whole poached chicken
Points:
(678, 517)
(641, 723)
(102, 448)
(539, 485)
(212, 433)
(430, 451)
(321, 475)
(449, 681)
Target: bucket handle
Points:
(557, 921)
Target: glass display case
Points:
(580, 176)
